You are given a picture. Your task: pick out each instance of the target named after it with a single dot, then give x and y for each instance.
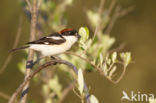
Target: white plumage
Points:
(56, 38)
(50, 50)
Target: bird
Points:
(53, 44)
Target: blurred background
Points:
(137, 29)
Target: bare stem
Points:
(4, 95)
(99, 69)
(121, 76)
(29, 5)
(32, 74)
(113, 21)
(14, 46)
(66, 91)
(117, 14)
(112, 5)
(31, 52)
(102, 2)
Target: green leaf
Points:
(55, 85)
(101, 59)
(126, 57)
(112, 71)
(69, 2)
(108, 61)
(21, 66)
(45, 89)
(80, 80)
(49, 100)
(89, 67)
(107, 42)
(114, 57)
(105, 69)
(93, 99)
(84, 33)
(152, 100)
(93, 17)
(82, 45)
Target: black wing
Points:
(51, 39)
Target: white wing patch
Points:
(46, 43)
(55, 37)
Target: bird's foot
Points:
(55, 58)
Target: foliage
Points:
(94, 53)
(152, 100)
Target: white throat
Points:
(71, 39)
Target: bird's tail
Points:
(12, 50)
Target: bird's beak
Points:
(78, 36)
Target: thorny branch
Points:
(32, 74)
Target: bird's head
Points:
(70, 32)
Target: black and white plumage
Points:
(55, 43)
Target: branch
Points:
(31, 52)
(99, 69)
(27, 80)
(29, 5)
(126, 11)
(118, 13)
(112, 5)
(118, 49)
(19, 30)
(121, 76)
(4, 95)
(83, 58)
(113, 20)
(102, 2)
(66, 91)
(38, 4)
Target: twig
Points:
(14, 46)
(85, 59)
(118, 13)
(102, 2)
(113, 21)
(121, 76)
(121, 47)
(88, 61)
(98, 25)
(99, 69)
(27, 80)
(29, 5)
(126, 11)
(31, 52)
(38, 4)
(66, 91)
(4, 95)
(112, 5)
